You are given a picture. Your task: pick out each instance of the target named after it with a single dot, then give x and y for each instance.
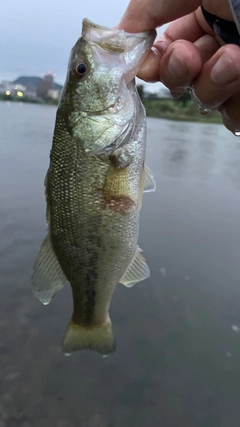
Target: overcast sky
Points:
(37, 36)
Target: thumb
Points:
(145, 15)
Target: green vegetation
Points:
(176, 109)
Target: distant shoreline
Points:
(28, 100)
(158, 108)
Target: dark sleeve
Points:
(228, 31)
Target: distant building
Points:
(45, 85)
(6, 86)
(30, 94)
(49, 77)
(42, 88)
(19, 88)
(54, 94)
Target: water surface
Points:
(177, 362)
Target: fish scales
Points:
(77, 223)
(94, 185)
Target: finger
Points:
(144, 15)
(187, 55)
(219, 78)
(177, 68)
(207, 46)
(191, 27)
(230, 114)
(184, 28)
(180, 65)
(149, 70)
(203, 24)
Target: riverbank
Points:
(160, 108)
(176, 110)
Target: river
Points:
(177, 362)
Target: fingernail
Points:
(223, 71)
(176, 67)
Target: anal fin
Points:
(137, 270)
(47, 277)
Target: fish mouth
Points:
(86, 24)
(109, 39)
(113, 39)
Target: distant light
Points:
(19, 93)
(8, 92)
(50, 73)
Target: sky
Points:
(37, 36)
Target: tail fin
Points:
(97, 338)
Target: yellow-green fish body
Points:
(94, 184)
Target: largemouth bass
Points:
(94, 184)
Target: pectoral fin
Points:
(149, 181)
(48, 277)
(137, 270)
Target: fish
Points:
(94, 184)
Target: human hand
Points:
(190, 54)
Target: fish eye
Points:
(81, 69)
